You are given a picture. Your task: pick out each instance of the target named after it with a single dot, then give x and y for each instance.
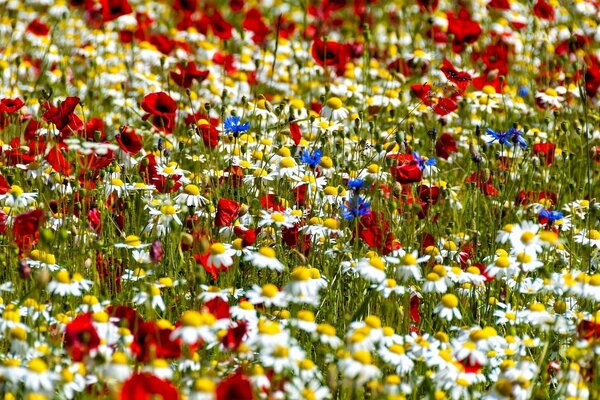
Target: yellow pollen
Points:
(133, 240)
(16, 190)
(524, 258)
(217, 248)
(537, 307)
(334, 103)
(301, 274)
(363, 357)
(191, 190)
(377, 263)
(63, 276)
(204, 385)
(593, 234)
(287, 162)
(502, 262)
(432, 276)
(191, 318)
(278, 217)
(267, 252)
(269, 290)
(116, 182)
(449, 300)
(168, 210)
(527, 237)
(409, 259)
(37, 365)
(551, 92)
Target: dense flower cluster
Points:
(329, 199)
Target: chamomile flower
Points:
(371, 269)
(408, 266)
(195, 326)
(190, 197)
(220, 256)
(63, 285)
(334, 109)
(447, 308)
(268, 295)
(132, 242)
(265, 257)
(358, 368)
(16, 197)
(589, 238)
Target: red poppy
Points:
(525, 197)
(113, 9)
(145, 386)
(543, 10)
(62, 116)
(127, 316)
(331, 54)
(428, 5)
(38, 28)
(546, 150)
(186, 6)
(4, 185)
(483, 181)
(236, 386)
(58, 161)
(11, 106)
(407, 170)
(163, 43)
(272, 202)
(81, 337)
(374, 230)
(129, 141)
(220, 27)
(152, 342)
(499, 4)
(255, 24)
(459, 78)
(587, 329)
(295, 133)
(227, 212)
(235, 335)
(248, 236)
(445, 145)
(161, 109)
(187, 74)
(592, 76)
(225, 60)
(217, 307)
(25, 228)
(463, 29)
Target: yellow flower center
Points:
(16, 190)
(287, 162)
(409, 259)
(191, 318)
(593, 234)
(281, 351)
(116, 182)
(267, 252)
(363, 357)
(524, 258)
(334, 103)
(326, 162)
(133, 240)
(269, 290)
(204, 385)
(100, 316)
(63, 276)
(168, 210)
(217, 248)
(278, 217)
(537, 307)
(37, 365)
(191, 190)
(551, 92)
(527, 237)
(377, 263)
(306, 315)
(449, 300)
(397, 348)
(301, 274)
(326, 329)
(433, 277)
(502, 262)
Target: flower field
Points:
(299, 200)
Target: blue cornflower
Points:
(311, 159)
(501, 137)
(551, 216)
(423, 162)
(523, 91)
(356, 184)
(356, 207)
(516, 136)
(232, 125)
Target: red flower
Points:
(38, 28)
(25, 228)
(187, 74)
(445, 145)
(210, 133)
(11, 106)
(128, 317)
(220, 27)
(62, 116)
(81, 337)
(227, 212)
(483, 181)
(58, 161)
(129, 141)
(295, 133)
(248, 236)
(587, 329)
(428, 5)
(330, 54)
(95, 220)
(459, 78)
(255, 24)
(408, 170)
(547, 150)
(152, 342)
(217, 307)
(145, 386)
(113, 9)
(162, 109)
(375, 231)
(463, 29)
(543, 10)
(236, 386)
(235, 335)
(94, 130)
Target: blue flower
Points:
(523, 91)
(423, 162)
(356, 184)
(517, 137)
(311, 159)
(551, 216)
(356, 207)
(232, 125)
(501, 137)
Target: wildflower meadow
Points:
(240, 200)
